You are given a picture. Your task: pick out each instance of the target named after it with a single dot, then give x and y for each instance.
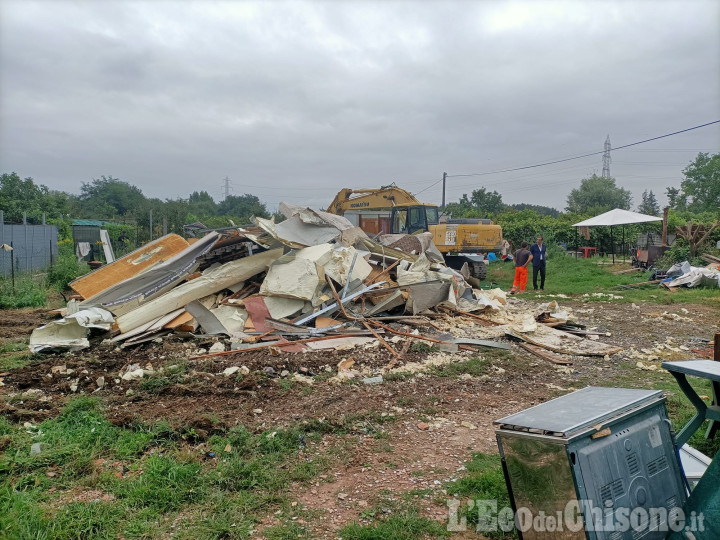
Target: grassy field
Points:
(586, 277)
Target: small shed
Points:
(86, 238)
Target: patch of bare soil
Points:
(15, 323)
(403, 435)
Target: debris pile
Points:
(309, 283)
(685, 275)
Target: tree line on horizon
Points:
(112, 199)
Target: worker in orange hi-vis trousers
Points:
(523, 257)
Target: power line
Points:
(431, 185)
(577, 157)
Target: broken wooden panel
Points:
(180, 320)
(127, 295)
(211, 282)
(130, 265)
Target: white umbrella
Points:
(617, 217)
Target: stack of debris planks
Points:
(313, 281)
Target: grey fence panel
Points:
(35, 247)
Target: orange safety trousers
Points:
(521, 277)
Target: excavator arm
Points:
(371, 199)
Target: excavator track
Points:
(475, 264)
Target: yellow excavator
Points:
(392, 210)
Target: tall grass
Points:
(32, 290)
(28, 291)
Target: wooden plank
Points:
(640, 284)
(545, 355)
(128, 266)
(324, 322)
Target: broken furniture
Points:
(586, 457)
(705, 369)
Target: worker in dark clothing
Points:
(522, 259)
(538, 261)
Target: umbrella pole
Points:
(576, 242)
(612, 244)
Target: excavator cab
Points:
(411, 219)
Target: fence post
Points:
(45, 260)
(27, 251)
(12, 264)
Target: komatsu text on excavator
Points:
(392, 210)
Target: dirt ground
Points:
(430, 424)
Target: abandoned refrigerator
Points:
(598, 463)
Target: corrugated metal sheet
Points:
(90, 222)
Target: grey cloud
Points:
(295, 100)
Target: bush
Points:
(678, 252)
(66, 268)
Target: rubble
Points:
(685, 275)
(313, 282)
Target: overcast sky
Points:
(295, 100)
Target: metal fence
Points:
(34, 247)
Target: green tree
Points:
(202, 204)
(109, 197)
(649, 204)
(460, 209)
(674, 199)
(480, 204)
(541, 210)
(176, 213)
(241, 208)
(18, 196)
(597, 195)
(700, 190)
(487, 202)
